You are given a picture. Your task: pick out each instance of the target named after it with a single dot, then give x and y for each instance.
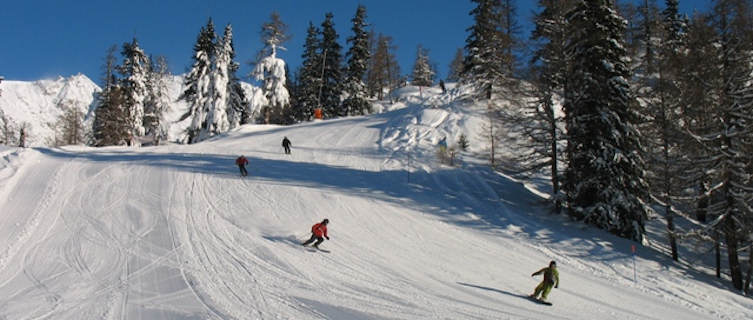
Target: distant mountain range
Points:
(40, 103)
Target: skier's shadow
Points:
(291, 240)
(493, 289)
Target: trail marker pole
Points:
(635, 273)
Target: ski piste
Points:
(167, 233)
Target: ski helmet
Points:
(325, 221)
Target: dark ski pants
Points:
(287, 149)
(318, 239)
(243, 170)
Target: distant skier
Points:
(443, 145)
(286, 145)
(441, 85)
(242, 162)
(318, 233)
(551, 279)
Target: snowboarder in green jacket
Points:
(551, 279)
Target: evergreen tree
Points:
(486, 63)
(158, 100)
(219, 112)
(198, 83)
(271, 71)
(633, 33)
(605, 183)
(358, 58)
(309, 80)
(422, 75)
(237, 107)
(288, 116)
(110, 125)
(135, 73)
(330, 89)
(456, 66)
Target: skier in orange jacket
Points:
(318, 233)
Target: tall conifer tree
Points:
(271, 71)
(198, 83)
(135, 72)
(309, 80)
(605, 177)
(358, 58)
(423, 74)
(330, 54)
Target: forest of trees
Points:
(634, 110)
(655, 118)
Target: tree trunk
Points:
(555, 174)
(734, 263)
(491, 131)
(718, 259)
(750, 271)
(671, 233)
(703, 202)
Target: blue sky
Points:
(43, 39)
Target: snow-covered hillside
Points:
(173, 232)
(39, 103)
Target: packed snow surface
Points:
(173, 232)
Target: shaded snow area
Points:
(173, 232)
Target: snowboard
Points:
(539, 301)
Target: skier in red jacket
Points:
(318, 233)
(242, 162)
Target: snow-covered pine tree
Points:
(237, 107)
(288, 116)
(309, 80)
(198, 83)
(217, 119)
(158, 100)
(110, 125)
(456, 66)
(358, 58)
(604, 179)
(485, 64)
(135, 73)
(330, 90)
(423, 74)
(270, 70)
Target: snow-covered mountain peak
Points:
(39, 103)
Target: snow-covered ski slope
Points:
(173, 232)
